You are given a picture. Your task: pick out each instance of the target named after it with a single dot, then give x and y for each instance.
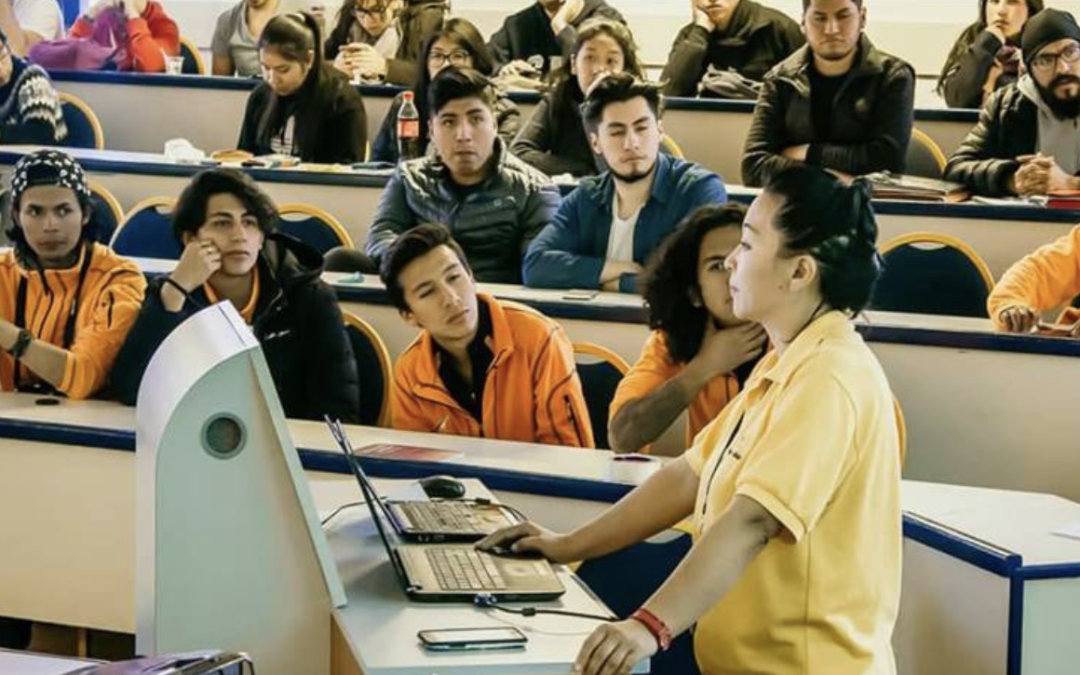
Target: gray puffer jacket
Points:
(493, 222)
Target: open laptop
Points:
(436, 521)
(453, 572)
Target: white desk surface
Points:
(544, 460)
(1019, 522)
(26, 663)
(380, 624)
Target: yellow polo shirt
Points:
(814, 440)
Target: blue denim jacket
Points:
(570, 252)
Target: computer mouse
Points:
(442, 487)
(507, 552)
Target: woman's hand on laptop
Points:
(529, 538)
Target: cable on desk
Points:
(339, 510)
(488, 601)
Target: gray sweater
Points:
(493, 222)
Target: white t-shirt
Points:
(40, 16)
(620, 243)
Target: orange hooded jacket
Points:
(1044, 280)
(109, 301)
(532, 393)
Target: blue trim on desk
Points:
(8, 157)
(1053, 571)
(971, 552)
(332, 462)
(998, 342)
(1015, 652)
(494, 479)
(966, 210)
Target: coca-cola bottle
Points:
(408, 129)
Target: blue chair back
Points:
(107, 213)
(626, 579)
(924, 157)
(315, 227)
(933, 276)
(373, 367)
(193, 61)
(146, 232)
(600, 377)
(83, 126)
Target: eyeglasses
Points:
(459, 58)
(376, 12)
(1046, 63)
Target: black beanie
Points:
(1049, 25)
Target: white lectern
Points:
(230, 550)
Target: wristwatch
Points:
(21, 343)
(654, 625)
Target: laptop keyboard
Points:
(458, 568)
(441, 516)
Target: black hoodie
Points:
(757, 39)
(297, 321)
(528, 34)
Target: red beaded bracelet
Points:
(654, 625)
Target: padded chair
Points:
(670, 147)
(600, 370)
(924, 157)
(931, 273)
(626, 579)
(373, 367)
(84, 127)
(146, 231)
(313, 226)
(108, 211)
(193, 60)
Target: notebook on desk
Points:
(450, 572)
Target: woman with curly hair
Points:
(699, 353)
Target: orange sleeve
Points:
(1044, 280)
(562, 418)
(406, 413)
(151, 38)
(81, 29)
(98, 341)
(651, 371)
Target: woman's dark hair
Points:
(190, 212)
(963, 43)
(566, 95)
(415, 243)
(346, 17)
(89, 232)
(834, 223)
(670, 283)
(466, 36)
(293, 36)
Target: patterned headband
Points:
(48, 167)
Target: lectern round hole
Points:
(223, 436)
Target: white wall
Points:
(921, 31)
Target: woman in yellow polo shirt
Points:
(794, 488)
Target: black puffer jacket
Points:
(528, 34)
(757, 39)
(871, 125)
(297, 321)
(1008, 128)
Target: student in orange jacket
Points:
(151, 33)
(1044, 280)
(66, 303)
(480, 367)
(698, 352)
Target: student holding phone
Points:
(794, 489)
(380, 40)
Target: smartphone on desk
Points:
(472, 639)
(580, 295)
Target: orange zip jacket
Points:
(532, 393)
(654, 368)
(1043, 280)
(111, 296)
(148, 36)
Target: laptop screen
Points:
(371, 497)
